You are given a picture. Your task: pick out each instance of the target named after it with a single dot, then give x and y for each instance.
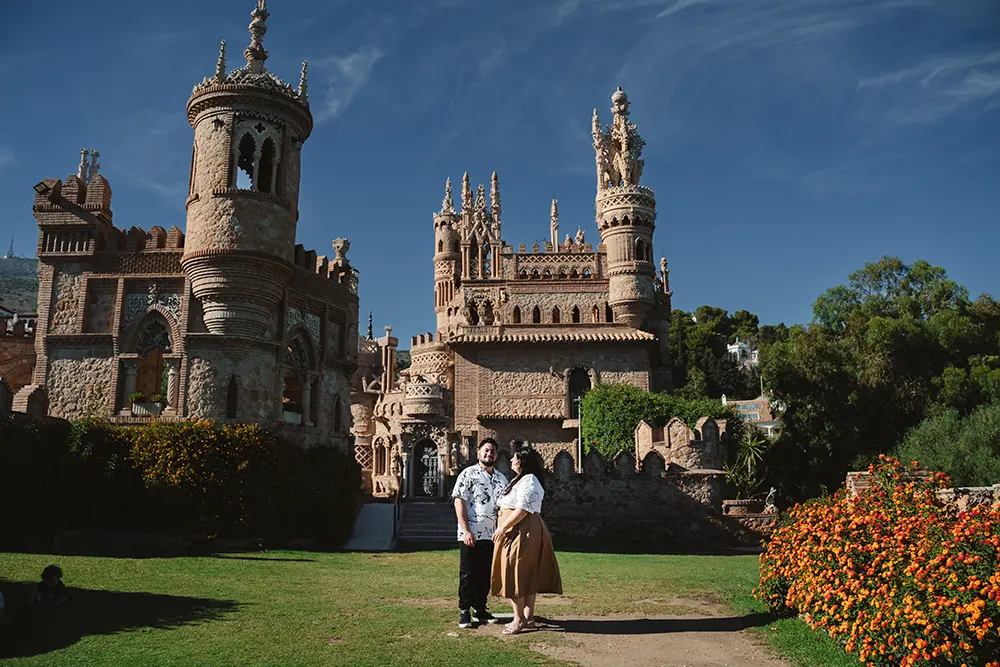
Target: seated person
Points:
(51, 591)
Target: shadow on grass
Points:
(570, 544)
(33, 631)
(266, 558)
(650, 626)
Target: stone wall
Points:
(80, 382)
(676, 511)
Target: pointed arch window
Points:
(555, 315)
(536, 315)
(609, 315)
(516, 316)
(576, 315)
(256, 155)
(440, 246)
(595, 315)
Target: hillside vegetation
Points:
(19, 284)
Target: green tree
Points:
(965, 447)
(881, 351)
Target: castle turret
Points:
(626, 215)
(447, 258)
(242, 206)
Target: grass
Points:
(303, 608)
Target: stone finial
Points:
(340, 248)
(255, 53)
(466, 193)
(303, 84)
(665, 279)
(619, 102)
(370, 335)
(81, 170)
(580, 237)
(220, 66)
(95, 166)
(495, 196)
(554, 220)
(388, 331)
(596, 130)
(447, 205)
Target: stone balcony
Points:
(423, 399)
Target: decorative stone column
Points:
(172, 383)
(306, 402)
(405, 486)
(130, 374)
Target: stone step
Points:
(428, 522)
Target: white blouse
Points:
(526, 495)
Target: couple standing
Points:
(506, 549)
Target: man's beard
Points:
(489, 463)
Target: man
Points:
(477, 490)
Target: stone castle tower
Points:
(231, 320)
(626, 215)
(242, 207)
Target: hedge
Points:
(610, 413)
(895, 575)
(189, 477)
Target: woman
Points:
(524, 562)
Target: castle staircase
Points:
(428, 521)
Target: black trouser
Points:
(474, 568)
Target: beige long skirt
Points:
(524, 562)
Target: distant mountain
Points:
(19, 284)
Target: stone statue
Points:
(579, 236)
(769, 506)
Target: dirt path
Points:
(711, 638)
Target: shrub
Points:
(611, 412)
(966, 448)
(892, 573)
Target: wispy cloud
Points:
(937, 87)
(6, 157)
(566, 9)
(342, 78)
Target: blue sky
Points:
(788, 142)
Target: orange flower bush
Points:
(895, 575)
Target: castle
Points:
(522, 333)
(229, 320)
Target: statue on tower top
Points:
(255, 53)
(618, 147)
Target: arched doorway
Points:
(426, 469)
(152, 343)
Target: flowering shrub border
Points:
(895, 575)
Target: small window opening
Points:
(245, 163)
(576, 315)
(536, 315)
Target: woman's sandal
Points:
(513, 628)
(530, 624)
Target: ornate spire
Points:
(370, 335)
(220, 66)
(495, 196)
(81, 170)
(481, 200)
(303, 84)
(466, 193)
(255, 53)
(596, 130)
(447, 205)
(554, 221)
(94, 165)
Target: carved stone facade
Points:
(521, 334)
(230, 320)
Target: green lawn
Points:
(304, 608)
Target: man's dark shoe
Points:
(465, 619)
(485, 617)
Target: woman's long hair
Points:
(531, 463)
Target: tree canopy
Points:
(880, 352)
